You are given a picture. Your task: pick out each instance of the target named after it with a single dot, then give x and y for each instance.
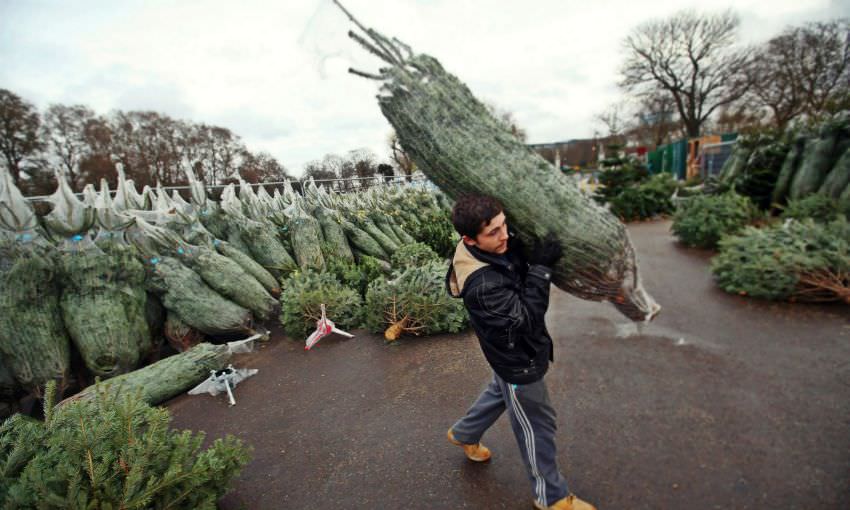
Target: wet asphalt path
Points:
(722, 402)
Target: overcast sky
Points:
(275, 72)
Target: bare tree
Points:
(614, 119)
(655, 120)
(156, 148)
(96, 162)
(402, 161)
(65, 129)
(804, 71)
(153, 147)
(739, 117)
(131, 146)
(223, 149)
(775, 80)
(363, 161)
(692, 57)
(387, 171)
(317, 170)
(335, 164)
(823, 65)
(262, 167)
(19, 130)
(219, 151)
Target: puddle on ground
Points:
(653, 330)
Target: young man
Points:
(507, 298)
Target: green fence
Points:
(671, 158)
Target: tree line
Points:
(358, 163)
(688, 74)
(152, 147)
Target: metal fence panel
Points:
(713, 156)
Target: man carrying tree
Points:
(507, 297)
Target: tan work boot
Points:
(571, 502)
(475, 452)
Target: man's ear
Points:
(468, 240)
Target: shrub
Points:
(618, 178)
(413, 255)
(817, 207)
(694, 180)
(800, 260)
(648, 199)
(434, 228)
(414, 301)
(303, 294)
(356, 275)
(112, 451)
(703, 220)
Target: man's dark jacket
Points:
(506, 300)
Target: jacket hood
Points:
(463, 265)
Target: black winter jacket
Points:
(506, 301)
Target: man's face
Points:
(493, 238)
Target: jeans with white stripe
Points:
(533, 423)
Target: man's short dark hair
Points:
(472, 213)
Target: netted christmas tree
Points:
(820, 155)
(35, 344)
(758, 178)
(306, 238)
(33, 341)
(168, 377)
(93, 307)
(458, 144)
(335, 244)
(221, 273)
(183, 292)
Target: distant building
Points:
(580, 153)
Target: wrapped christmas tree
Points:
(33, 341)
(167, 378)
(461, 147)
(221, 273)
(183, 292)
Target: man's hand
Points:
(516, 243)
(546, 251)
